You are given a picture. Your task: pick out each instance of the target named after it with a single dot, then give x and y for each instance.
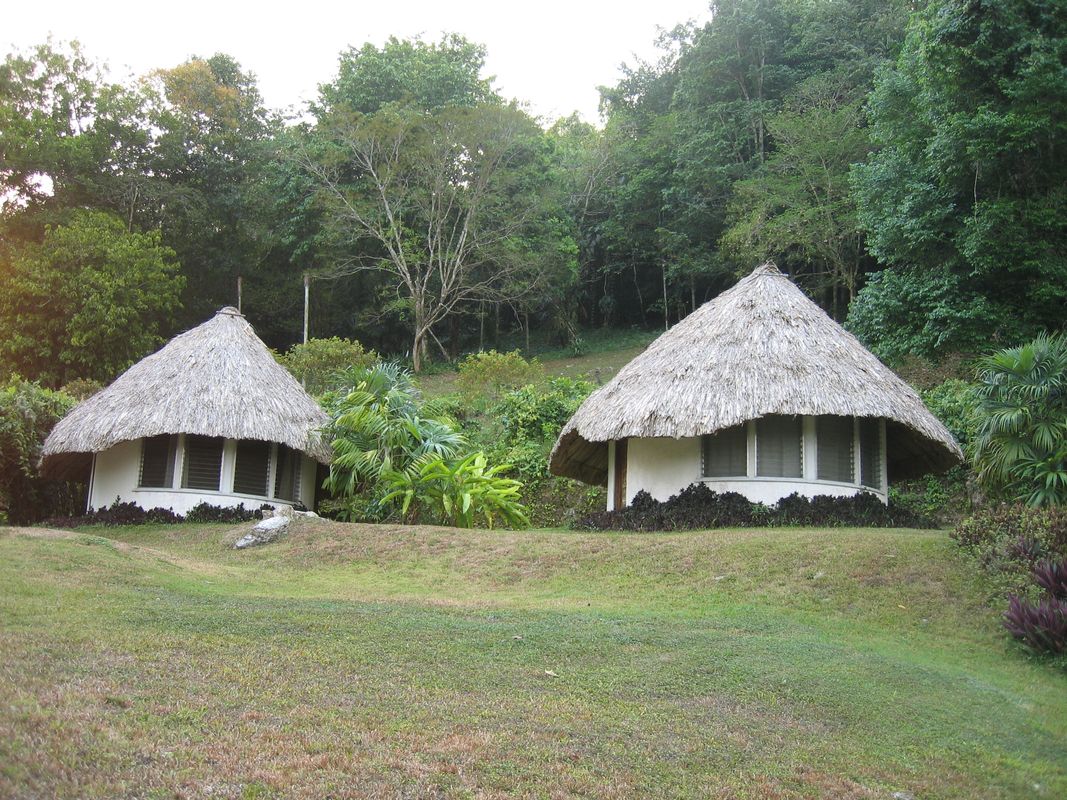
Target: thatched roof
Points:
(760, 348)
(217, 379)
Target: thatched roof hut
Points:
(761, 348)
(218, 379)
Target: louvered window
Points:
(252, 468)
(287, 477)
(157, 461)
(202, 465)
(834, 437)
(871, 453)
(779, 447)
(725, 453)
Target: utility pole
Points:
(666, 319)
(307, 293)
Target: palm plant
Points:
(1021, 451)
(379, 426)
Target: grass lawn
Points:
(368, 661)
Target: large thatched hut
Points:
(758, 392)
(210, 417)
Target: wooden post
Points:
(238, 294)
(307, 294)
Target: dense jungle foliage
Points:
(898, 159)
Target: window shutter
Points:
(157, 461)
(726, 453)
(779, 447)
(287, 477)
(871, 453)
(203, 462)
(834, 437)
(252, 468)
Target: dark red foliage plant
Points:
(1052, 577)
(1041, 626)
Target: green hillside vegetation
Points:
(354, 661)
(898, 160)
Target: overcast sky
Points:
(552, 54)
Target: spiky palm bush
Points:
(1021, 451)
(381, 425)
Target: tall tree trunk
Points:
(416, 352)
(453, 337)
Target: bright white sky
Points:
(551, 54)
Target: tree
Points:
(799, 209)
(86, 302)
(1022, 437)
(68, 137)
(27, 415)
(411, 72)
(448, 206)
(967, 187)
(212, 141)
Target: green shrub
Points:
(945, 497)
(458, 492)
(28, 413)
(955, 403)
(81, 388)
(529, 420)
(942, 497)
(1007, 541)
(485, 377)
(561, 502)
(319, 363)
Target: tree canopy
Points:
(900, 160)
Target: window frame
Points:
(799, 418)
(171, 459)
(809, 454)
(186, 463)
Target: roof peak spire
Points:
(768, 268)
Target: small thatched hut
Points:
(211, 417)
(758, 392)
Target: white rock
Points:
(273, 525)
(246, 541)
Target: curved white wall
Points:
(116, 472)
(663, 467)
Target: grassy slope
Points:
(357, 661)
(608, 351)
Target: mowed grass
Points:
(378, 661)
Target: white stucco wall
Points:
(116, 472)
(663, 467)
